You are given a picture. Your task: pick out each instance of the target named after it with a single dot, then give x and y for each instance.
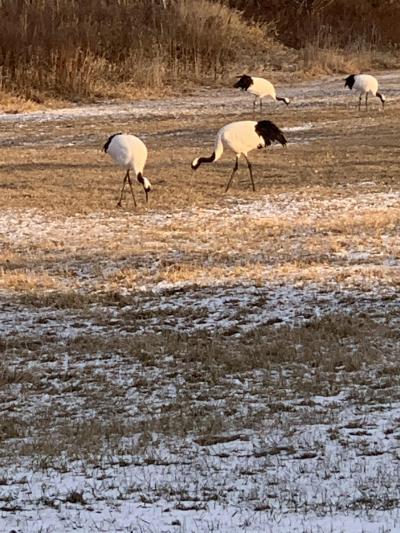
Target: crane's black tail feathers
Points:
(108, 141)
(269, 132)
(244, 83)
(349, 81)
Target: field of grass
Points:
(209, 361)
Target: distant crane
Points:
(130, 153)
(260, 87)
(242, 137)
(365, 84)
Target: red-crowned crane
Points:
(364, 84)
(242, 137)
(129, 152)
(260, 87)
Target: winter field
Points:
(209, 362)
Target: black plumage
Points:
(270, 132)
(108, 141)
(349, 81)
(244, 82)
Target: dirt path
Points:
(329, 91)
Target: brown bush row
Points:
(372, 21)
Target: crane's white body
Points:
(242, 137)
(130, 153)
(262, 88)
(364, 84)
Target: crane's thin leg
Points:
(382, 99)
(366, 101)
(260, 104)
(233, 173)
(130, 185)
(122, 190)
(254, 104)
(251, 173)
(359, 102)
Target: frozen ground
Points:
(210, 101)
(324, 479)
(242, 380)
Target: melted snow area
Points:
(273, 455)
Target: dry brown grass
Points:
(69, 49)
(322, 357)
(23, 280)
(68, 183)
(12, 103)
(361, 23)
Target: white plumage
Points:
(365, 84)
(260, 87)
(242, 137)
(129, 152)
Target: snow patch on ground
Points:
(281, 484)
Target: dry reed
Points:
(80, 48)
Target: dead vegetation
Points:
(298, 22)
(68, 50)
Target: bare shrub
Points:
(299, 21)
(333, 35)
(85, 48)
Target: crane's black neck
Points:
(282, 99)
(201, 160)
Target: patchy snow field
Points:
(210, 362)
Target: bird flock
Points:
(241, 137)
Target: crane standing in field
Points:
(365, 84)
(242, 137)
(130, 153)
(260, 87)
